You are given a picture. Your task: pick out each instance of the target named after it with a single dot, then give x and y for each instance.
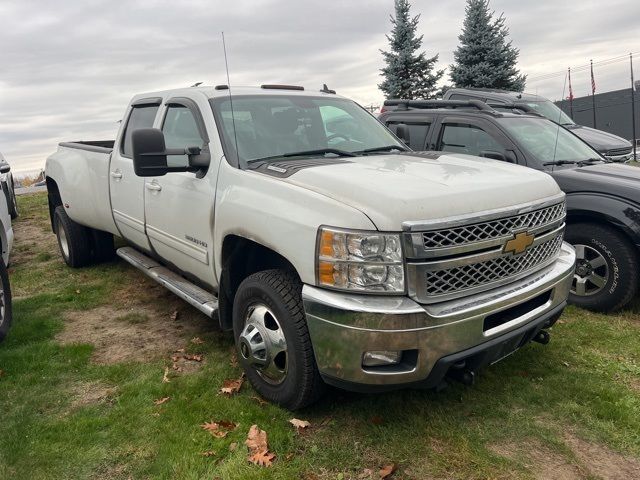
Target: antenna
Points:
(555, 147)
(233, 118)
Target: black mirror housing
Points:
(149, 155)
(5, 167)
(493, 155)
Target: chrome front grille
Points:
(456, 279)
(501, 227)
(448, 259)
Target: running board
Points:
(204, 301)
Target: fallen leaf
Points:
(180, 350)
(387, 470)
(366, 473)
(175, 358)
(155, 414)
(219, 429)
(566, 364)
(208, 453)
(229, 387)
(299, 424)
(174, 315)
(176, 368)
(233, 446)
(234, 359)
(259, 400)
(193, 358)
(160, 401)
(165, 377)
(197, 341)
(256, 442)
(77, 291)
(264, 459)
(377, 420)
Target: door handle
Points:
(153, 186)
(116, 174)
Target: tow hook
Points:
(542, 337)
(460, 373)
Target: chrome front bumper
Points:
(345, 326)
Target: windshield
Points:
(548, 109)
(274, 126)
(538, 136)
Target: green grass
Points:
(586, 381)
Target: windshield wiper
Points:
(386, 148)
(320, 151)
(580, 163)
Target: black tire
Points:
(617, 263)
(6, 312)
(12, 204)
(281, 293)
(73, 239)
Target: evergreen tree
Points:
(485, 57)
(409, 73)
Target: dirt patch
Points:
(601, 461)
(31, 239)
(138, 333)
(90, 393)
(542, 462)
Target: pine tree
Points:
(485, 57)
(408, 73)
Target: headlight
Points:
(363, 261)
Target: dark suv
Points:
(603, 198)
(611, 146)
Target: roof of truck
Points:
(211, 91)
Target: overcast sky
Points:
(69, 68)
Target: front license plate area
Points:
(506, 348)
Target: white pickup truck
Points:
(333, 253)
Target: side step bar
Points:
(204, 301)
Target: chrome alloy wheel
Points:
(64, 242)
(263, 345)
(592, 271)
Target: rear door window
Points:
(468, 139)
(140, 117)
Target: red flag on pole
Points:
(593, 82)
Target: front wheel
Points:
(272, 338)
(6, 313)
(606, 276)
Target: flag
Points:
(570, 88)
(593, 82)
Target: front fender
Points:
(621, 213)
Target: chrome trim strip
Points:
(193, 251)
(484, 256)
(448, 222)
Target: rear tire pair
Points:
(79, 245)
(6, 312)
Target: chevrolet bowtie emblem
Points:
(519, 243)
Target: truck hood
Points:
(606, 178)
(391, 189)
(601, 141)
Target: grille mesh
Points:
(478, 232)
(460, 278)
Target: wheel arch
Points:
(54, 198)
(241, 257)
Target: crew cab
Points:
(603, 198)
(332, 252)
(615, 148)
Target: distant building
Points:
(613, 111)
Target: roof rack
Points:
(281, 87)
(428, 104)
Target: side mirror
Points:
(402, 132)
(5, 167)
(507, 156)
(150, 154)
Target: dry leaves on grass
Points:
(165, 377)
(160, 401)
(387, 470)
(259, 400)
(197, 341)
(299, 424)
(258, 447)
(196, 357)
(229, 387)
(219, 429)
(208, 453)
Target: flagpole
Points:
(593, 95)
(570, 95)
(633, 109)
